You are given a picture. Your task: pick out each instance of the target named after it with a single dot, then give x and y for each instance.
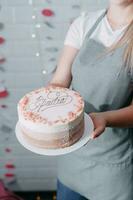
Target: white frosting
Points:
(51, 104)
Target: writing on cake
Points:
(52, 99)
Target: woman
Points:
(97, 60)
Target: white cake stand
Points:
(55, 152)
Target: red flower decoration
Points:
(9, 166)
(2, 60)
(9, 175)
(47, 12)
(2, 40)
(3, 106)
(7, 150)
(3, 93)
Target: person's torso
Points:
(105, 85)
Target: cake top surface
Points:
(51, 105)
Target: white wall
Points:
(94, 4)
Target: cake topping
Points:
(52, 99)
(51, 105)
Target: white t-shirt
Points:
(82, 24)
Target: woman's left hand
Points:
(99, 122)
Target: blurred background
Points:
(32, 33)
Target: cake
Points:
(51, 117)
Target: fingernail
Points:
(92, 136)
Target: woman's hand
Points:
(99, 122)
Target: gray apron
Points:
(103, 168)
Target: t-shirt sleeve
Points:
(74, 35)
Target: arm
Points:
(73, 39)
(117, 118)
(62, 76)
(120, 118)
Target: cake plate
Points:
(56, 152)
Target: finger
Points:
(97, 132)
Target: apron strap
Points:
(95, 25)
